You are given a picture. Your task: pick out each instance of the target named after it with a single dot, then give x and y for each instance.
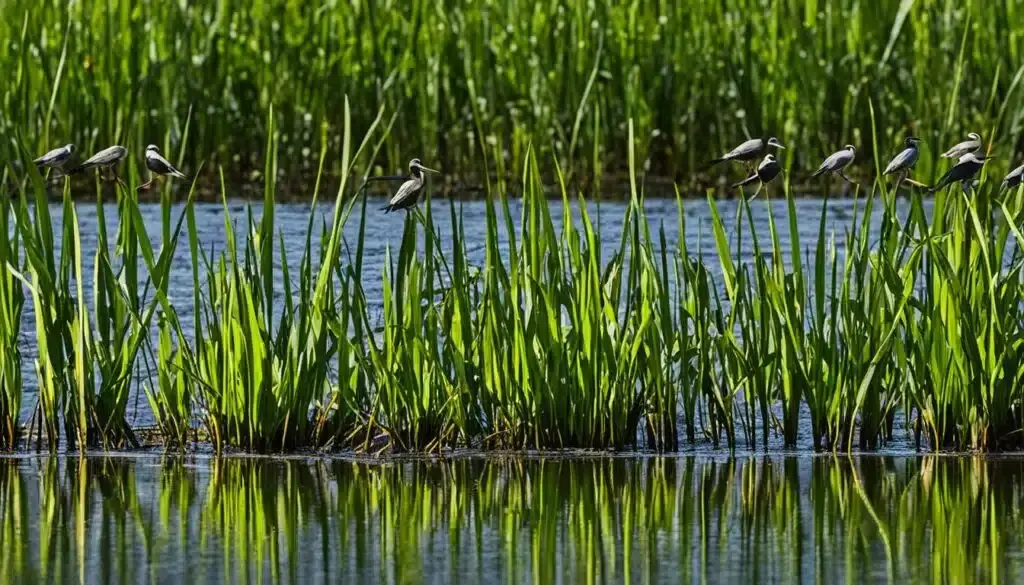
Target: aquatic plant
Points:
(12, 300)
(499, 73)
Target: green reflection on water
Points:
(629, 520)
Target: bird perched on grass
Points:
(837, 163)
(905, 160)
(967, 146)
(963, 171)
(409, 192)
(748, 152)
(766, 171)
(1013, 178)
(104, 159)
(159, 167)
(56, 158)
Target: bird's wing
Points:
(158, 164)
(962, 148)
(50, 156)
(408, 189)
(750, 146)
(959, 172)
(769, 171)
(833, 162)
(903, 160)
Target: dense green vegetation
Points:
(555, 343)
(470, 81)
(917, 520)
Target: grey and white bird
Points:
(766, 171)
(963, 171)
(409, 192)
(905, 160)
(159, 166)
(104, 159)
(749, 151)
(56, 158)
(837, 162)
(1013, 178)
(962, 148)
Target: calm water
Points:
(704, 519)
(385, 230)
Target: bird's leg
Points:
(965, 186)
(113, 170)
(760, 186)
(847, 179)
(146, 186)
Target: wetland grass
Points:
(561, 78)
(557, 340)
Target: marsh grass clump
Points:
(561, 78)
(558, 338)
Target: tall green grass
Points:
(561, 338)
(561, 78)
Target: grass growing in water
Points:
(557, 340)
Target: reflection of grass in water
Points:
(946, 520)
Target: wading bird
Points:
(837, 163)
(963, 171)
(409, 192)
(56, 158)
(904, 161)
(766, 171)
(1013, 178)
(104, 159)
(965, 147)
(159, 167)
(749, 151)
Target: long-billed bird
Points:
(748, 152)
(409, 192)
(766, 171)
(56, 158)
(1013, 178)
(104, 159)
(904, 161)
(159, 167)
(837, 163)
(963, 171)
(962, 148)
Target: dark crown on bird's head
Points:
(912, 140)
(152, 147)
(414, 163)
(851, 148)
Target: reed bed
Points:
(562, 77)
(559, 339)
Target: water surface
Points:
(696, 519)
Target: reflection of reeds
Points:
(541, 520)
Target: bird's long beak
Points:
(423, 168)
